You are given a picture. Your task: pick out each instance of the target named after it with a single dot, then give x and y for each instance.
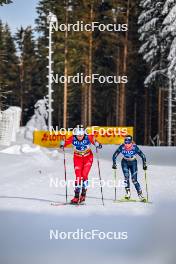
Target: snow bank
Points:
(20, 149)
(27, 215)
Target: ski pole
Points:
(146, 185)
(99, 173)
(115, 177)
(65, 172)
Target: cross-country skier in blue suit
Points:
(129, 150)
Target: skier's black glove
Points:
(98, 145)
(62, 143)
(144, 166)
(114, 166)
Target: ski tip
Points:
(125, 200)
(68, 203)
(132, 201)
(57, 204)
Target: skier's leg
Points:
(83, 192)
(88, 160)
(78, 166)
(134, 174)
(125, 170)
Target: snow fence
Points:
(9, 125)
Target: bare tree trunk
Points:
(169, 127)
(84, 105)
(59, 113)
(122, 101)
(162, 116)
(65, 114)
(21, 69)
(146, 127)
(165, 94)
(149, 113)
(90, 70)
(117, 91)
(135, 118)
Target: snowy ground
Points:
(26, 193)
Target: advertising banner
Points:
(104, 135)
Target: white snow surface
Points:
(27, 215)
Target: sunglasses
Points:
(128, 140)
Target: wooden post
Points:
(117, 91)
(122, 90)
(90, 69)
(146, 114)
(66, 70)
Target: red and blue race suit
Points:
(129, 163)
(82, 158)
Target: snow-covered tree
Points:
(169, 34)
(28, 67)
(158, 36)
(8, 68)
(4, 2)
(150, 22)
(38, 120)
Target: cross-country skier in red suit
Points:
(83, 159)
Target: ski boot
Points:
(83, 196)
(128, 194)
(75, 199)
(141, 197)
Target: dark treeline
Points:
(4, 2)
(23, 69)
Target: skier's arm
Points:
(94, 142)
(114, 157)
(67, 142)
(143, 157)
